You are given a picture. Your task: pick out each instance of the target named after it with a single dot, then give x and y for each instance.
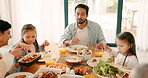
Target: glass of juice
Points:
(98, 52)
(49, 61)
(62, 50)
(89, 76)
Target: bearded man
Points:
(83, 31)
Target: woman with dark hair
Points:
(6, 62)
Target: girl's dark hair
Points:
(127, 36)
(4, 25)
(82, 6)
(26, 28)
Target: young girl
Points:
(28, 42)
(126, 54)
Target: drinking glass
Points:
(98, 52)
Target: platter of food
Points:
(81, 69)
(58, 66)
(76, 48)
(29, 59)
(45, 72)
(20, 75)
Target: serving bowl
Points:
(29, 59)
(85, 54)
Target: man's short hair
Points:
(82, 6)
(4, 25)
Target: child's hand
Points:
(118, 76)
(125, 67)
(100, 45)
(103, 47)
(125, 76)
(24, 47)
(108, 48)
(46, 43)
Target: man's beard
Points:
(81, 22)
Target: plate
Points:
(76, 48)
(82, 70)
(29, 59)
(70, 76)
(73, 60)
(44, 56)
(28, 75)
(92, 64)
(58, 66)
(45, 69)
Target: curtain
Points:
(142, 30)
(46, 15)
(5, 10)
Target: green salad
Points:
(104, 69)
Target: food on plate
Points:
(82, 69)
(94, 60)
(103, 68)
(75, 49)
(84, 52)
(31, 58)
(48, 74)
(20, 76)
(58, 66)
(73, 60)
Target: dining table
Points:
(59, 58)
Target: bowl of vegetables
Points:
(105, 70)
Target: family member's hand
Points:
(46, 43)
(74, 41)
(100, 46)
(17, 52)
(118, 76)
(24, 47)
(103, 46)
(125, 76)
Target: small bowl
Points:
(73, 59)
(86, 54)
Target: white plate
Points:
(58, 66)
(92, 64)
(99, 75)
(45, 69)
(44, 56)
(28, 75)
(70, 76)
(71, 48)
